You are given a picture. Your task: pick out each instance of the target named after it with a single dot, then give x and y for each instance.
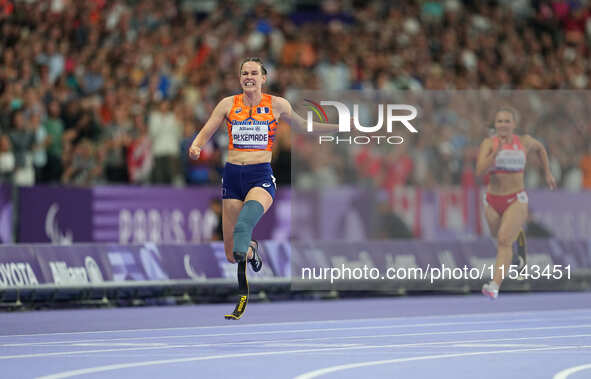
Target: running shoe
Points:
(256, 262)
(491, 290)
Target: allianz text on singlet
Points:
(251, 128)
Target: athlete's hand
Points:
(194, 152)
(550, 181)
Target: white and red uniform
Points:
(510, 159)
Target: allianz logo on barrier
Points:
(64, 274)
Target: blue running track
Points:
(519, 335)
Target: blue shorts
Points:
(238, 180)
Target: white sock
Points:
(493, 285)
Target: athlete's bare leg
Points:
(230, 210)
(511, 222)
(493, 220)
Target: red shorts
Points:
(500, 203)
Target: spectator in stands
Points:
(212, 221)
(33, 105)
(116, 140)
(71, 114)
(139, 154)
(84, 167)
(87, 126)
(165, 131)
(22, 139)
(90, 57)
(41, 142)
(54, 127)
(6, 160)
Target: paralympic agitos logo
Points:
(392, 115)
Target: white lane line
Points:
(93, 370)
(498, 345)
(451, 332)
(569, 371)
(57, 354)
(37, 355)
(105, 344)
(266, 325)
(330, 370)
(290, 331)
(279, 344)
(298, 340)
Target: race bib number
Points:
(250, 136)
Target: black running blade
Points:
(243, 299)
(239, 310)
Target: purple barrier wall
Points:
(341, 213)
(421, 265)
(137, 215)
(128, 215)
(566, 214)
(6, 234)
(413, 253)
(58, 215)
(440, 214)
(30, 265)
(20, 267)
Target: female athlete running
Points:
(504, 157)
(248, 185)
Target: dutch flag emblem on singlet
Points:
(262, 110)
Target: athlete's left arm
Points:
(532, 144)
(284, 111)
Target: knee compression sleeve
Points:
(249, 216)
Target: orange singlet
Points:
(251, 128)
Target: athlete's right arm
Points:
(486, 156)
(215, 120)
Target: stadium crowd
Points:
(99, 92)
